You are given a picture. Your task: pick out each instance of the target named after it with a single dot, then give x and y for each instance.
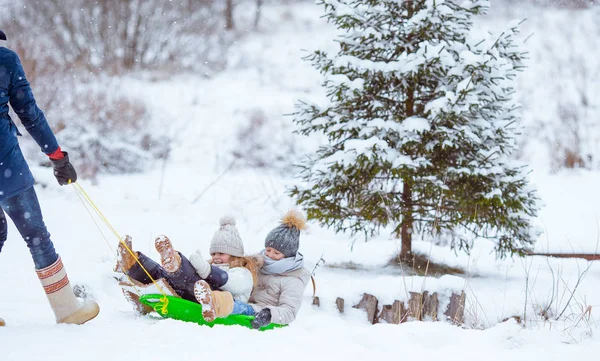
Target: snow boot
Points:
(65, 305)
(214, 303)
(2, 323)
(133, 290)
(125, 260)
(169, 257)
(134, 299)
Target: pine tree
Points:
(421, 124)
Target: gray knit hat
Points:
(227, 239)
(286, 237)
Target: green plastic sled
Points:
(184, 310)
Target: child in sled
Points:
(228, 270)
(282, 278)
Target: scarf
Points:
(282, 266)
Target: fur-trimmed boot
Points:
(169, 257)
(65, 305)
(214, 303)
(2, 323)
(125, 260)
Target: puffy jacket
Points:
(281, 293)
(238, 280)
(239, 283)
(15, 175)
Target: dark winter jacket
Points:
(15, 175)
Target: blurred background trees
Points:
(78, 54)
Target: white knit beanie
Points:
(227, 239)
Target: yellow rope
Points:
(83, 196)
(86, 206)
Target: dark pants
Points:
(3, 229)
(25, 212)
(182, 281)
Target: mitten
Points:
(63, 169)
(261, 319)
(201, 265)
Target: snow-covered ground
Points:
(185, 197)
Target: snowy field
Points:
(185, 197)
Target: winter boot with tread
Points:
(214, 303)
(125, 260)
(169, 257)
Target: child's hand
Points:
(200, 264)
(262, 318)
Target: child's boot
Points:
(204, 296)
(65, 305)
(134, 299)
(125, 260)
(214, 303)
(169, 257)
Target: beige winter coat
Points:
(281, 293)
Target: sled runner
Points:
(146, 299)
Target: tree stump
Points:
(387, 314)
(430, 306)
(369, 304)
(339, 303)
(421, 305)
(456, 308)
(394, 314)
(415, 306)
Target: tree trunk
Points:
(257, 15)
(407, 223)
(229, 15)
(407, 205)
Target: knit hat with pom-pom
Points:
(227, 239)
(286, 237)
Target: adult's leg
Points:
(25, 211)
(3, 229)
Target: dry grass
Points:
(421, 265)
